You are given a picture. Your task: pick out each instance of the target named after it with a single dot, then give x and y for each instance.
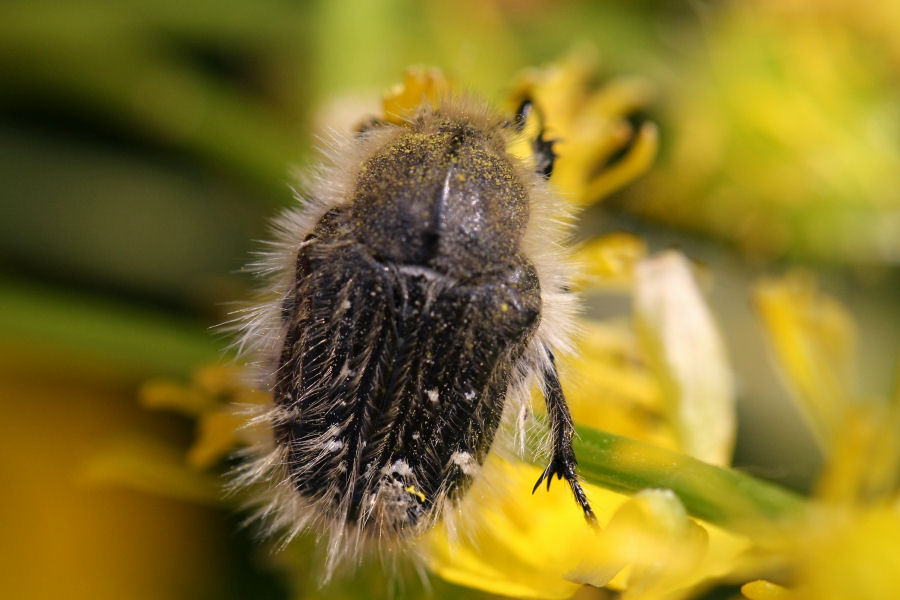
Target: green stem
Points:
(718, 495)
(139, 343)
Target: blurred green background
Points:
(145, 144)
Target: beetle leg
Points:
(544, 156)
(562, 430)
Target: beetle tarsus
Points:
(563, 463)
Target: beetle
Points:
(416, 293)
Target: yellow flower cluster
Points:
(599, 149)
(784, 136)
(849, 546)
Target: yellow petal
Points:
(149, 465)
(765, 590)
(210, 386)
(609, 261)
(519, 544)
(217, 396)
(165, 394)
(539, 546)
(813, 337)
(419, 85)
(863, 465)
(629, 167)
(589, 124)
(852, 556)
(218, 434)
(653, 535)
(65, 533)
(609, 385)
(683, 341)
(217, 380)
(663, 549)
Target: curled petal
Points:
(599, 142)
(538, 546)
(813, 338)
(419, 84)
(765, 590)
(683, 341)
(608, 262)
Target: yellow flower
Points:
(682, 339)
(814, 338)
(849, 546)
(536, 546)
(785, 136)
(219, 398)
(420, 85)
(598, 149)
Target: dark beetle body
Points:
(412, 305)
(419, 287)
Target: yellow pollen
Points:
(411, 489)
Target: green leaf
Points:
(721, 496)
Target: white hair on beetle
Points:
(266, 470)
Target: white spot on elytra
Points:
(470, 395)
(345, 372)
(333, 445)
(346, 305)
(400, 467)
(416, 436)
(464, 461)
(433, 396)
